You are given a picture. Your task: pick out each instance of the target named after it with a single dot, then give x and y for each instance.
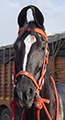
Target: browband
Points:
(37, 30)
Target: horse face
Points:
(29, 57)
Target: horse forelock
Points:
(31, 25)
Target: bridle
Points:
(41, 80)
(39, 102)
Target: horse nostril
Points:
(28, 94)
(31, 91)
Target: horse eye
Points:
(43, 48)
(16, 47)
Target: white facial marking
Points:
(29, 40)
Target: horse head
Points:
(30, 53)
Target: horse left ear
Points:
(38, 17)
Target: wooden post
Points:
(53, 57)
(10, 72)
(3, 73)
(54, 74)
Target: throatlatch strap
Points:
(56, 96)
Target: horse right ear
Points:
(22, 18)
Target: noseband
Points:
(39, 102)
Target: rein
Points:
(39, 102)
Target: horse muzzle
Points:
(24, 93)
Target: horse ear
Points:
(22, 19)
(38, 17)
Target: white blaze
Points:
(29, 40)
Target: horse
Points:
(35, 89)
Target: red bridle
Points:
(41, 80)
(39, 103)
